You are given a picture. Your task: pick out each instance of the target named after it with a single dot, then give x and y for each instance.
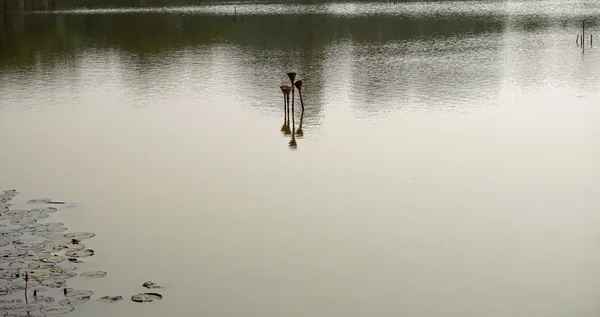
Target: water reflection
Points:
(293, 145)
(378, 59)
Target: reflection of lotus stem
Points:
(298, 85)
(300, 132)
(293, 143)
(292, 77)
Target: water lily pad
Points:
(41, 289)
(39, 273)
(151, 284)
(20, 284)
(79, 294)
(9, 274)
(46, 210)
(70, 247)
(43, 299)
(29, 227)
(17, 212)
(146, 297)
(80, 253)
(93, 274)
(4, 243)
(12, 253)
(5, 290)
(110, 299)
(57, 240)
(54, 259)
(11, 235)
(49, 235)
(67, 275)
(24, 307)
(36, 216)
(22, 264)
(54, 282)
(53, 224)
(39, 201)
(80, 235)
(73, 301)
(23, 221)
(57, 229)
(57, 309)
(27, 245)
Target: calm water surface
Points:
(448, 164)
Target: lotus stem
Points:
(26, 278)
(298, 84)
(292, 77)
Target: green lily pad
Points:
(110, 299)
(80, 235)
(79, 294)
(57, 309)
(36, 216)
(70, 247)
(43, 299)
(73, 301)
(54, 282)
(5, 290)
(17, 212)
(20, 284)
(24, 307)
(80, 253)
(93, 274)
(39, 201)
(146, 297)
(46, 210)
(151, 285)
(54, 259)
(52, 224)
(23, 221)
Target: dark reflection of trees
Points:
(262, 48)
(147, 3)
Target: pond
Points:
(445, 163)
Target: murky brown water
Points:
(448, 164)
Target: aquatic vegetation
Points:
(35, 257)
(93, 274)
(151, 284)
(57, 309)
(44, 209)
(146, 297)
(80, 235)
(80, 253)
(110, 299)
(39, 201)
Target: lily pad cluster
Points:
(33, 260)
(37, 257)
